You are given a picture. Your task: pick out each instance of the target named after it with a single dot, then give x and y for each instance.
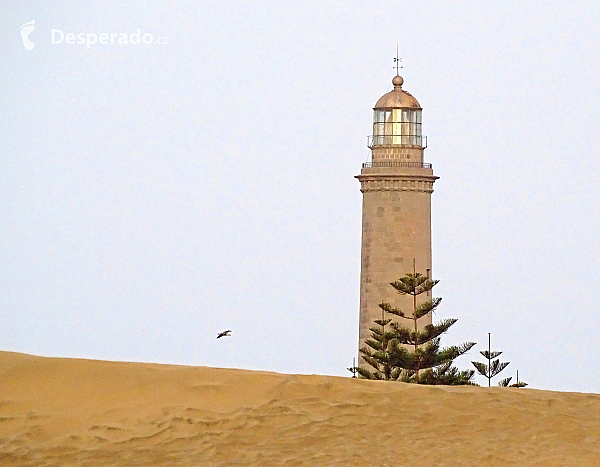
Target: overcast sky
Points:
(152, 195)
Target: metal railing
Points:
(404, 140)
(418, 165)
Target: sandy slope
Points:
(68, 412)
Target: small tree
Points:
(494, 367)
(353, 369)
(377, 351)
(423, 361)
(506, 382)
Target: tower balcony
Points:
(414, 165)
(417, 141)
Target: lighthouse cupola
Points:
(397, 119)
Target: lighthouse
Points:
(396, 213)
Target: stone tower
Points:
(396, 216)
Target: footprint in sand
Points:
(27, 29)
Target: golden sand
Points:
(70, 412)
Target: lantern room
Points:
(397, 119)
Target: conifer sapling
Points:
(494, 367)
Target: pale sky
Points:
(154, 195)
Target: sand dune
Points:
(69, 412)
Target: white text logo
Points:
(114, 38)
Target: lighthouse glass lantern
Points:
(397, 119)
(397, 126)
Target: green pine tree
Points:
(407, 353)
(494, 367)
(447, 374)
(506, 382)
(377, 351)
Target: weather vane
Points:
(397, 61)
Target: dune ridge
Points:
(73, 412)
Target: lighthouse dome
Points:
(397, 98)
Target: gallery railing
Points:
(418, 165)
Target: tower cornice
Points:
(396, 182)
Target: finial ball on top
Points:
(397, 81)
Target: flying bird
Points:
(224, 334)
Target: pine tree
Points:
(426, 352)
(506, 382)
(448, 375)
(410, 355)
(353, 369)
(494, 367)
(377, 351)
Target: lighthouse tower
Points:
(396, 217)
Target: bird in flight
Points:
(224, 334)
